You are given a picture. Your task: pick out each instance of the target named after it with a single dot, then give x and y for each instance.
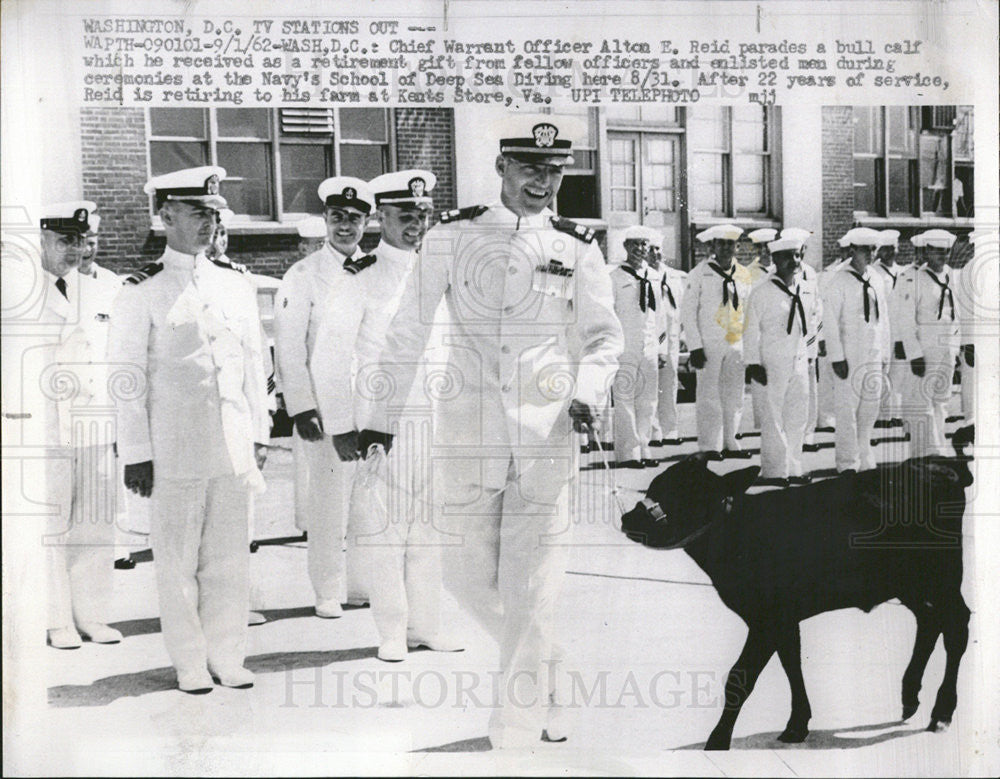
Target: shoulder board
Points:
(145, 272)
(358, 265)
(578, 231)
(457, 214)
(236, 266)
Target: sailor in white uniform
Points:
(194, 428)
(670, 296)
(760, 269)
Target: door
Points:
(645, 175)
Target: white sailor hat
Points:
(720, 232)
(225, 216)
(888, 238)
(538, 137)
(784, 245)
(937, 239)
(347, 192)
(861, 236)
(403, 187)
(641, 233)
(797, 233)
(311, 227)
(95, 224)
(192, 185)
(71, 217)
(763, 235)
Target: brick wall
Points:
(838, 177)
(113, 149)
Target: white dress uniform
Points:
(856, 326)
(531, 326)
(778, 325)
(976, 310)
(298, 314)
(636, 382)
(198, 405)
(807, 277)
(929, 306)
(712, 317)
(902, 333)
(758, 397)
(825, 378)
(670, 297)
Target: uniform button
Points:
(508, 309)
(505, 349)
(512, 270)
(505, 388)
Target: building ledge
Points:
(927, 222)
(751, 222)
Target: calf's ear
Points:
(738, 482)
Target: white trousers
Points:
(856, 403)
(396, 543)
(666, 407)
(80, 541)
(785, 402)
(506, 565)
(719, 399)
(301, 460)
(813, 400)
(635, 396)
(897, 381)
(201, 553)
(968, 391)
(332, 573)
(926, 402)
(825, 390)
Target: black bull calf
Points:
(782, 556)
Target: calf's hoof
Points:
(938, 726)
(794, 734)
(909, 709)
(717, 743)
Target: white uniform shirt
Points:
(806, 276)
(933, 309)
(670, 296)
(200, 401)
(298, 311)
(531, 326)
(767, 337)
(350, 337)
(708, 314)
(844, 325)
(897, 281)
(640, 326)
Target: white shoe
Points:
(99, 633)
(239, 677)
(392, 651)
(438, 643)
(329, 609)
(64, 638)
(194, 682)
(256, 618)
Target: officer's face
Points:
(61, 253)
(345, 227)
(189, 226)
(723, 251)
(89, 253)
(404, 226)
(636, 251)
(528, 187)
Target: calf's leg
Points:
(928, 629)
(757, 650)
(955, 621)
(790, 654)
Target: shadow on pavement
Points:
(838, 738)
(105, 691)
(148, 625)
(481, 744)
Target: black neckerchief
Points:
(727, 282)
(890, 274)
(646, 297)
(796, 306)
(945, 291)
(867, 285)
(665, 290)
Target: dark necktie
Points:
(945, 292)
(865, 289)
(727, 284)
(890, 274)
(796, 306)
(665, 290)
(61, 286)
(647, 300)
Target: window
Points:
(910, 161)
(274, 159)
(730, 160)
(578, 193)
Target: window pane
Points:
(748, 178)
(243, 122)
(302, 170)
(865, 192)
(578, 197)
(583, 159)
(900, 129)
(963, 147)
(658, 113)
(623, 200)
(706, 189)
(622, 150)
(708, 128)
(247, 184)
(867, 130)
(184, 122)
(363, 124)
(168, 156)
(899, 186)
(749, 129)
(365, 162)
(623, 112)
(962, 192)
